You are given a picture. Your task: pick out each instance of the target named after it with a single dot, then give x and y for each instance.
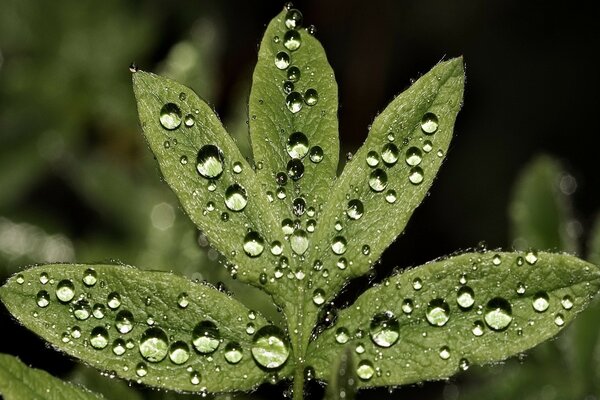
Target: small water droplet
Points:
(293, 74)
(299, 241)
(113, 300)
(319, 296)
(44, 278)
(179, 352)
(465, 297)
(254, 244)
(438, 312)
(559, 320)
(342, 335)
(75, 332)
(297, 145)
(269, 347)
(170, 116)
(498, 314)
(182, 300)
(427, 146)
(282, 60)
(531, 257)
(195, 379)
(20, 279)
(294, 102)
(293, 19)
(236, 197)
(417, 284)
(413, 156)
(311, 97)
(415, 175)
(429, 123)
(288, 87)
(366, 250)
(118, 347)
(90, 277)
(287, 226)
(237, 167)
(65, 291)
(355, 209)
(43, 298)
(407, 306)
(133, 68)
(98, 311)
(292, 40)
(477, 329)
(210, 161)
(521, 288)
(316, 154)
(389, 154)
(82, 310)
(124, 321)
(567, 302)
(295, 169)
(372, 159)
(384, 329)
(378, 180)
(464, 364)
(540, 301)
(233, 353)
(99, 338)
(342, 263)
(189, 120)
(141, 370)
(339, 245)
(206, 337)
(444, 352)
(365, 370)
(276, 248)
(390, 196)
(154, 345)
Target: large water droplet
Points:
(292, 40)
(270, 348)
(365, 370)
(415, 175)
(293, 19)
(297, 145)
(498, 314)
(339, 245)
(282, 60)
(389, 154)
(438, 312)
(384, 329)
(99, 338)
(113, 300)
(413, 156)
(540, 301)
(154, 345)
(293, 74)
(179, 352)
(294, 102)
(65, 290)
(236, 197)
(311, 97)
(206, 337)
(210, 161)
(299, 241)
(254, 244)
(378, 180)
(465, 297)
(295, 169)
(316, 154)
(170, 116)
(429, 123)
(355, 209)
(90, 277)
(124, 321)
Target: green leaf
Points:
(343, 377)
(431, 321)
(539, 211)
(370, 204)
(215, 185)
(20, 382)
(285, 129)
(151, 327)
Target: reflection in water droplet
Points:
(389, 154)
(531, 257)
(179, 352)
(237, 167)
(498, 314)
(339, 245)
(413, 156)
(293, 74)
(365, 370)
(124, 321)
(444, 352)
(567, 302)
(118, 347)
(90, 277)
(44, 278)
(42, 298)
(477, 329)
(292, 40)
(154, 345)
(355, 209)
(294, 102)
(311, 97)
(559, 320)
(206, 337)
(384, 329)
(407, 306)
(390, 196)
(98, 311)
(82, 310)
(170, 116)
(299, 241)
(182, 300)
(465, 297)
(415, 175)
(342, 263)
(189, 120)
(195, 378)
(288, 87)
(293, 19)
(295, 169)
(141, 370)
(297, 145)
(464, 364)
(113, 300)
(318, 297)
(236, 197)
(316, 154)
(378, 180)
(254, 244)
(282, 60)
(210, 161)
(270, 348)
(99, 338)
(540, 301)
(233, 353)
(342, 335)
(496, 260)
(429, 123)
(417, 283)
(65, 290)
(438, 312)
(20, 279)
(372, 159)
(427, 146)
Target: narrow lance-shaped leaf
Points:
(18, 382)
(432, 321)
(388, 177)
(293, 116)
(151, 327)
(539, 211)
(214, 183)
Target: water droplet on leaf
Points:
(438, 312)
(269, 347)
(154, 345)
(65, 291)
(355, 209)
(292, 40)
(498, 314)
(254, 244)
(429, 123)
(378, 180)
(206, 337)
(297, 145)
(179, 352)
(384, 329)
(294, 101)
(236, 197)
(170, 116)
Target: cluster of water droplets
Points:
(103, 321)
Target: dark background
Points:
(68, 122)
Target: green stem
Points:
(298, 388)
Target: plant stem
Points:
(298, 387)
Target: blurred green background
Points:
(77, 181)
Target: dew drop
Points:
(559, 320)
(233, 353)
(182, 300)
(236, 197)
(498, 314)
(384, 329)
(99, 338)
(293, 19)
(444, 352)
(294, 101)
(389, 154)
(390, 196)
(237, 167)
(521, 288)
(365, 370)
(269, 347)
(372, 159)
(154, 345)
(378, 180)
(44, 278)
(124, 321)
(65, 290)
(342, 335)
(195, 378)
(293, 74)
(287, 226)
(210, 161)
(118, 347)
(282, 60)
(295, 169)
(540, 301)
(90, 277)
(42, 298)
(98, 311)
(311, 97)
(355, 209)
(318, 297)
(170, 116)
(292, 40)
(141, 370)
(179, 352)
(20, 279)
(299, 241)
(438, 312)
(82, 310)
(339, 245)
(477, 329)
(531, 257)
(342, 263)
(427, 146)
(316, 154)
(567, 302)
(288, 87)
(465, 297)
(113, 300)
(417, 283)
(415, 175)
(407, 306)
(413, 156)
(464, 364)
(254, 244)
(276, 248)
(429, 123)
(297, 145)
(206, 337)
